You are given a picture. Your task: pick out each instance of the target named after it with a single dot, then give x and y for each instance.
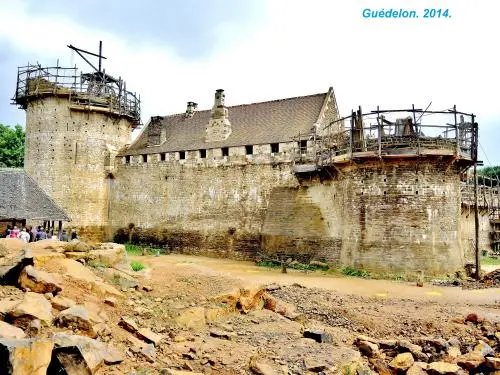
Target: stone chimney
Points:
(191, 109)
(219, 127)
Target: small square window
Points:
(182, 155)
(144, 158)
(249, 149)
(203, 154)
(275, 148)
(127, 159)
(162, 156)
(225, 151)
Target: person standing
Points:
(41, 235)
(74, 236)
(24, 235)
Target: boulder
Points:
(76, 317)
(263, 366)
(318, 336)
(38, 281)
(221, 334)
(368, 348)
(315, 365)
(33, 306)
(402, 362)
(62, 303)
(34, 328)
(443, 368)
(192, 318)
(25, 356)
(94, 353)
(69, 360)
(149, 352)
(416, 370)
(149, 336)
(493, 363)
(453, 351)
(120, 277)
(105, 289)
(484, 349)
(12, 264)
(111, 255)
(7, 304)
(128, 324)
(471, 360)
(381, 367)
(8, 331)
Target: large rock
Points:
(128, 324)
(25, 357)
(402, 362)
(77, 317)
(33, 306)
(62, 303)
(493, 363)
(8, 331)
(471, 360)
(110, 254)
(263, 366)
(192, 318)
(12, 264)
(39, 281)
(443, 368)
(95, 353)
(149, 336)
(105, 290)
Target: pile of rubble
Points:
(428, 355)
(41, 330)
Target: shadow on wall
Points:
(229, 243)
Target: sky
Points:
(174, 51)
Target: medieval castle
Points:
(382, 190)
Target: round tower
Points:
(75, 125)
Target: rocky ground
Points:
(80, 309)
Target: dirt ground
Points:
(343, 306)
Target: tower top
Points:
(95, 91)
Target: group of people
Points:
(33, 234)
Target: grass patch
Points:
(294, 265)
(348, 271)
(490, 261)
(137, 266)
(140, 250)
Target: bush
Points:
(348, 271)
(137, 266)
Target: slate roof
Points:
(258, 123)
(22, 198)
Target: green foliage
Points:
(293, 265)
(492, 172)
(490, 261)
(348, 271)
(137, 266)
(11, 146)
(133, 249)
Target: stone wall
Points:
(207, 208)
(402, 216)
(66, 152)
(467, 232)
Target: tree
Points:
(492, 172)
(11, 146)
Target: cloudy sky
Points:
(174, 51)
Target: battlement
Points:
(97, 92)
(386, 134)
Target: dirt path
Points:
(249, 274)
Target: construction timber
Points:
(97, 91)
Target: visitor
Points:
(64, 236)
(7, 231)
(14, 232)
(32, 233)
(24, 235)
(41, 235)
(74, 236)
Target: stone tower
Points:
(75, 124)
